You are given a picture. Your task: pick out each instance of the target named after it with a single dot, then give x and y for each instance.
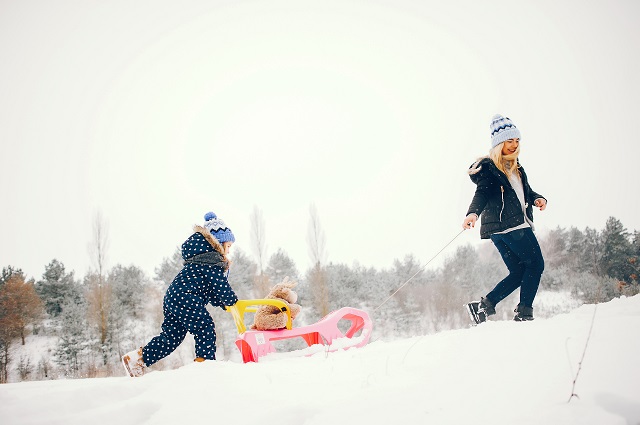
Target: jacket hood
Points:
(209, 237)
(481, 166)
(209, 244)
(485, 165)
(476, 167)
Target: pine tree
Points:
(372, 289)
(74, 338)
(461, 269)
(616, 251)
(128, 287)
(9, 271)
(554, 247)
(56, 287)
(408, 273)
(169, 268)
(345, 286)
(575, 241)
(242, 273)
(591, 252)
(280, 266)
(635, 259)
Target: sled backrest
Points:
(251, 306)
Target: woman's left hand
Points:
(540, 203)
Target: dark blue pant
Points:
(183, 312)
(521, 254)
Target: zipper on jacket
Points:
(502, 209)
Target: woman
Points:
(202, 280)
(503, 201)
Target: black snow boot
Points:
(480, 310)
(523, 313)
(487, 306)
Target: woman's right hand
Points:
(469, 221)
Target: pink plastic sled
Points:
(254, 344)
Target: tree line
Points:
(90, 322)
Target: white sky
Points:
(155, 112)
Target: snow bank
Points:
(499, 373)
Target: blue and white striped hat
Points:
(218, 228)
(502, 129)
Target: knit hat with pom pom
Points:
(502, 129)
(218, 229)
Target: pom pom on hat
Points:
(218, 228)
(502, 128)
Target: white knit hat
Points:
(502, 129)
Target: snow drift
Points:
(500, 372)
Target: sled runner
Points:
(324, 335)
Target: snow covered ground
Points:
(500, 372)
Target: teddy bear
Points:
(269, 317)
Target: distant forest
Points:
(90, 321)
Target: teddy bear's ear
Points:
(288, 282)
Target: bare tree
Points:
(315, 238)
(99, 298)
(259, 247)
(99, 243)
(99, 292)
(316, 249)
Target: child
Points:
(503, 200)
(202, 280)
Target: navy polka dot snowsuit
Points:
(197, 284)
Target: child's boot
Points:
(133, 363)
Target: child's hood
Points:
(210, 244)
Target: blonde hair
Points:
(508, 164)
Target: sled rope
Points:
(419, 270)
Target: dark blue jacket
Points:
(205, 270)
(495, 201)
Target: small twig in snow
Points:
(573, 388)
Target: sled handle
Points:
(251, 306)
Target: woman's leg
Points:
(514, 279)
(529, 251)
(522, 255)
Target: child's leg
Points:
(205, 338)
(170, 338)
(191, 311)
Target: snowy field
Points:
(500, 372)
